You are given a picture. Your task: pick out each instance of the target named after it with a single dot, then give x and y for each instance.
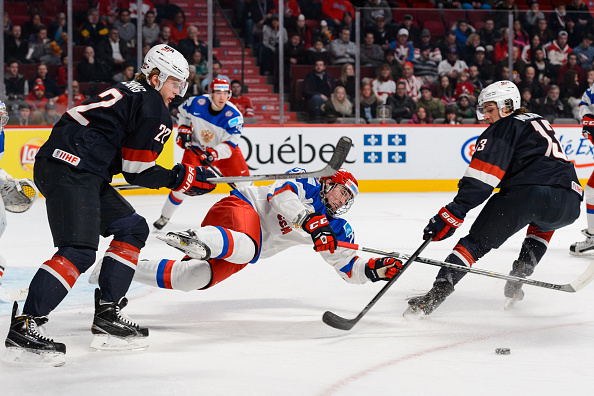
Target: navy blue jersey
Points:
(517, 150)
(123, 129)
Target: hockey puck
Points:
(502, 351)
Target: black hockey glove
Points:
(444, 223)
(191, 180)
(208, 156)
(588, 127)
(382, 268)
(322, 235)
(184, 136)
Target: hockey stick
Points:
(338, 157)
(578, 284)
(338, 322)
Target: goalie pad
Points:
(18, 194)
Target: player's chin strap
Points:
(18, 194)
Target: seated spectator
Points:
(368, 101)
(200, 63)
(544, 71)
(558, 50)
(528, 100)
(127, 74)
(558, 18)
(403, 49)
(271, 39)
(585, 51)
(333, 11)
(382, 35)
(348, 23)
(484, 65)
(384, 84)
(532, 15)
(7, 22)
(50, 116)
(36, 99)
(451, 66)
(403, 107)
(472, 43)
(433, 106)
(303, 31)
(294, 52)
(91, 69)
(489, 35)
(165, 37)
(425, 68)
(23, 116)
(570, 91)
(475, 79)
(342, 49)
(463, 86)
(412, 82)
(62, 77)
(41, 49)
(58, 30)
(126, 28)
(371, 54)
(77, 98)
(373, 9)
(521, 37)
(421, 117)
(395, 66)
(448, 42)
(318, 52)
(435, 53)
(338, 106)
(574, 36)
(192, 43)
(31, 26)
(551, 106)
(542, 30)
(464, 109)
(518, 64)
(194, 83)
(242, 102)
(323, 33)
(216, 73)
(526, 55)
(445, 91)
(413, 31)
(580, 15)
(114, 51)
(318, 85)
(587, 81)
(179, 27)
(93, 31)
(571, 64)
(17, 88)
(51, 87)
(502, 10)
(15, 46)
(151, 29)
(347, 80)
(462, 30)
(450, 116)
(292, 10)
(530, 81)
(502, 73)
(501, 47)
(256, 13)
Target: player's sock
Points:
(185, 275)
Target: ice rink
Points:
(260, 332)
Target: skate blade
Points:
(21, 357)
(103, 342)
(194, 250)
(509, 303)
(410, 313)
(11, 295)
(586, 253)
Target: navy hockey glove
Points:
(322, 235)
(382, 268)
(443, 224)
(208, 156)
(184, 136)
(191, 180)
(588, 127)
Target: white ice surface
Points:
(260, 332)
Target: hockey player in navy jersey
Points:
(209, 130)
(256, 223)
(123, 129)
(539, 188)
(586, 113)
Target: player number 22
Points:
(76, 112)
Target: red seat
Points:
(28, 70)
(450, 17)
(475, 16)
(436, 29)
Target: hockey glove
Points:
(208, 156)
(322, 235)
(443, 224)
(382, 268)
(588, 127)
(184, 136)
(191, 180)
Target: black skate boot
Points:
(113, 331)
(161, 222)
(426, 304)
(513, 290)
(188, 242)
(27, 345)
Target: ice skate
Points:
(513, 290)
(426, 304)
(161, 222)
(26, 345)
(114, 331)
(583, 248)
(187, 242)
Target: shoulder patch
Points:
(348, 230)
(229, 113)
(234, 121)
(201, 101)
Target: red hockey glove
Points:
(382, 268)
(184, 136)
(208, 156)
(588, 127)
(443, 224)
(191, 180)
(322, 235)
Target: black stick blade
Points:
(338, 322)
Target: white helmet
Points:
(3, 115)
(503, 93)
(170, 62)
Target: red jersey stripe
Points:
(487, 168)
(129, 154)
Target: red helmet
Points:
(350, 189)
(219, 84)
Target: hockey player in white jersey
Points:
(255, 223)
(586, 113)
(209, 130)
